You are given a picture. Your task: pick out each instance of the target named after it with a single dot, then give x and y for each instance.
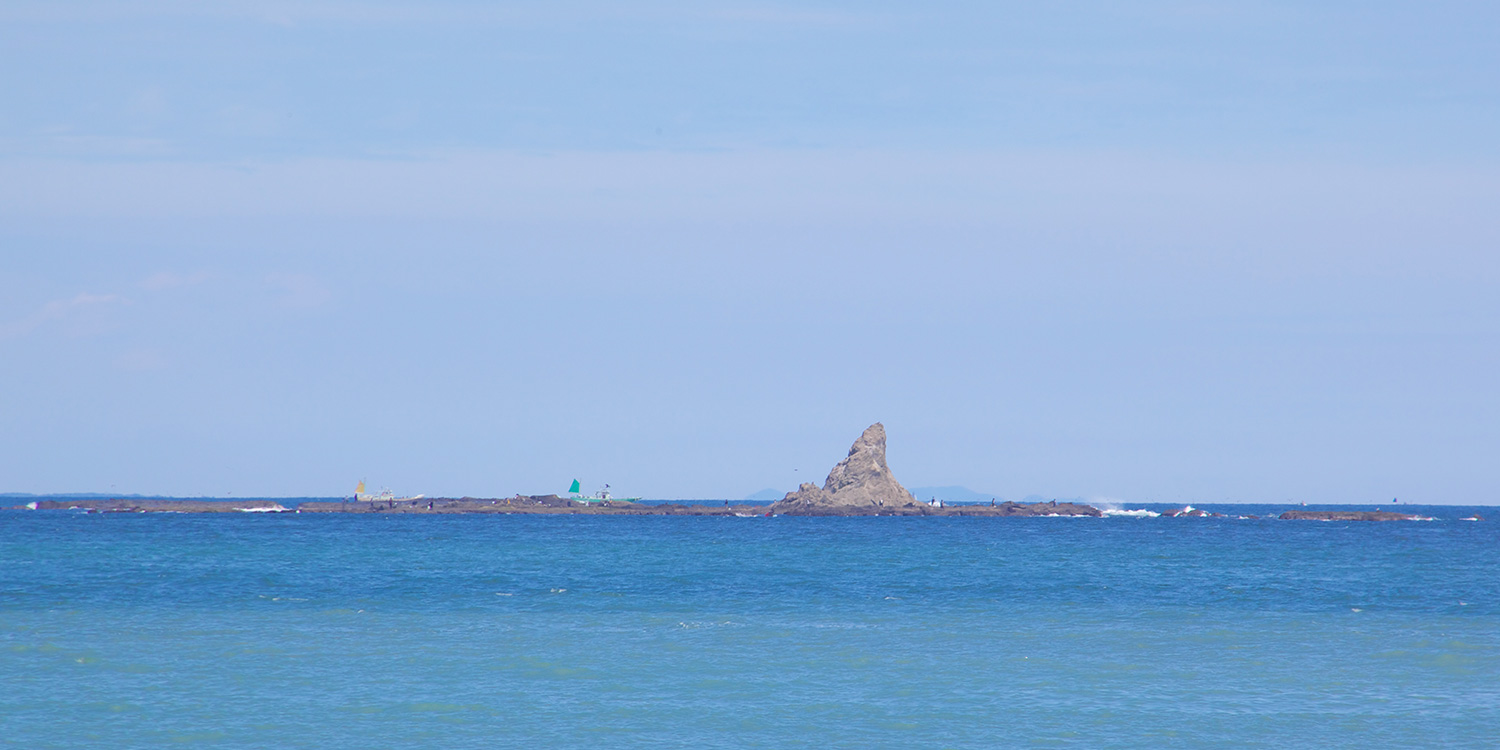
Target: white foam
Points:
(1137, 513)
(276, 508)
(32, 506)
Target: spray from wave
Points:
(1110, 506)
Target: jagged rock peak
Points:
(866, 460)
(861, 481)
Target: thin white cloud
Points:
(292, 14)
(75, 310)
(165, 280)
(141, 360)
(70, 144)
(1279, 216)
(299, 290)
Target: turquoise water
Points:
(330, 631)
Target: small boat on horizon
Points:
(575, 493)
(383, 496)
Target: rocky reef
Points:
(1348, 515)
(859, 485)
(1052, 508)
(164, 506)
(530, 505)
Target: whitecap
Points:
(276, 508)
(1136, 513)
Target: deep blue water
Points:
(333, 631)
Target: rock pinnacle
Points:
(860, 484)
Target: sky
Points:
(1135, 252)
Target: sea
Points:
(331, 631)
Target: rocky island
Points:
(859, 485)
(862, 485)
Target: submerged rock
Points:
(861, 484)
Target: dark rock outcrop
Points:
(861, 484)
(529, 505)
(1190, 512)
(1008, 508)
(1347, 515)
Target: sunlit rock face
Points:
(862, 483)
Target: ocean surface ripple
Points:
(333, 632)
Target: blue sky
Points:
(1174, 251)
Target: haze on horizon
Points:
(1175, 252)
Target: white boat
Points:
(598, 497)
(383, 496)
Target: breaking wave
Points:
(1137, 513)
